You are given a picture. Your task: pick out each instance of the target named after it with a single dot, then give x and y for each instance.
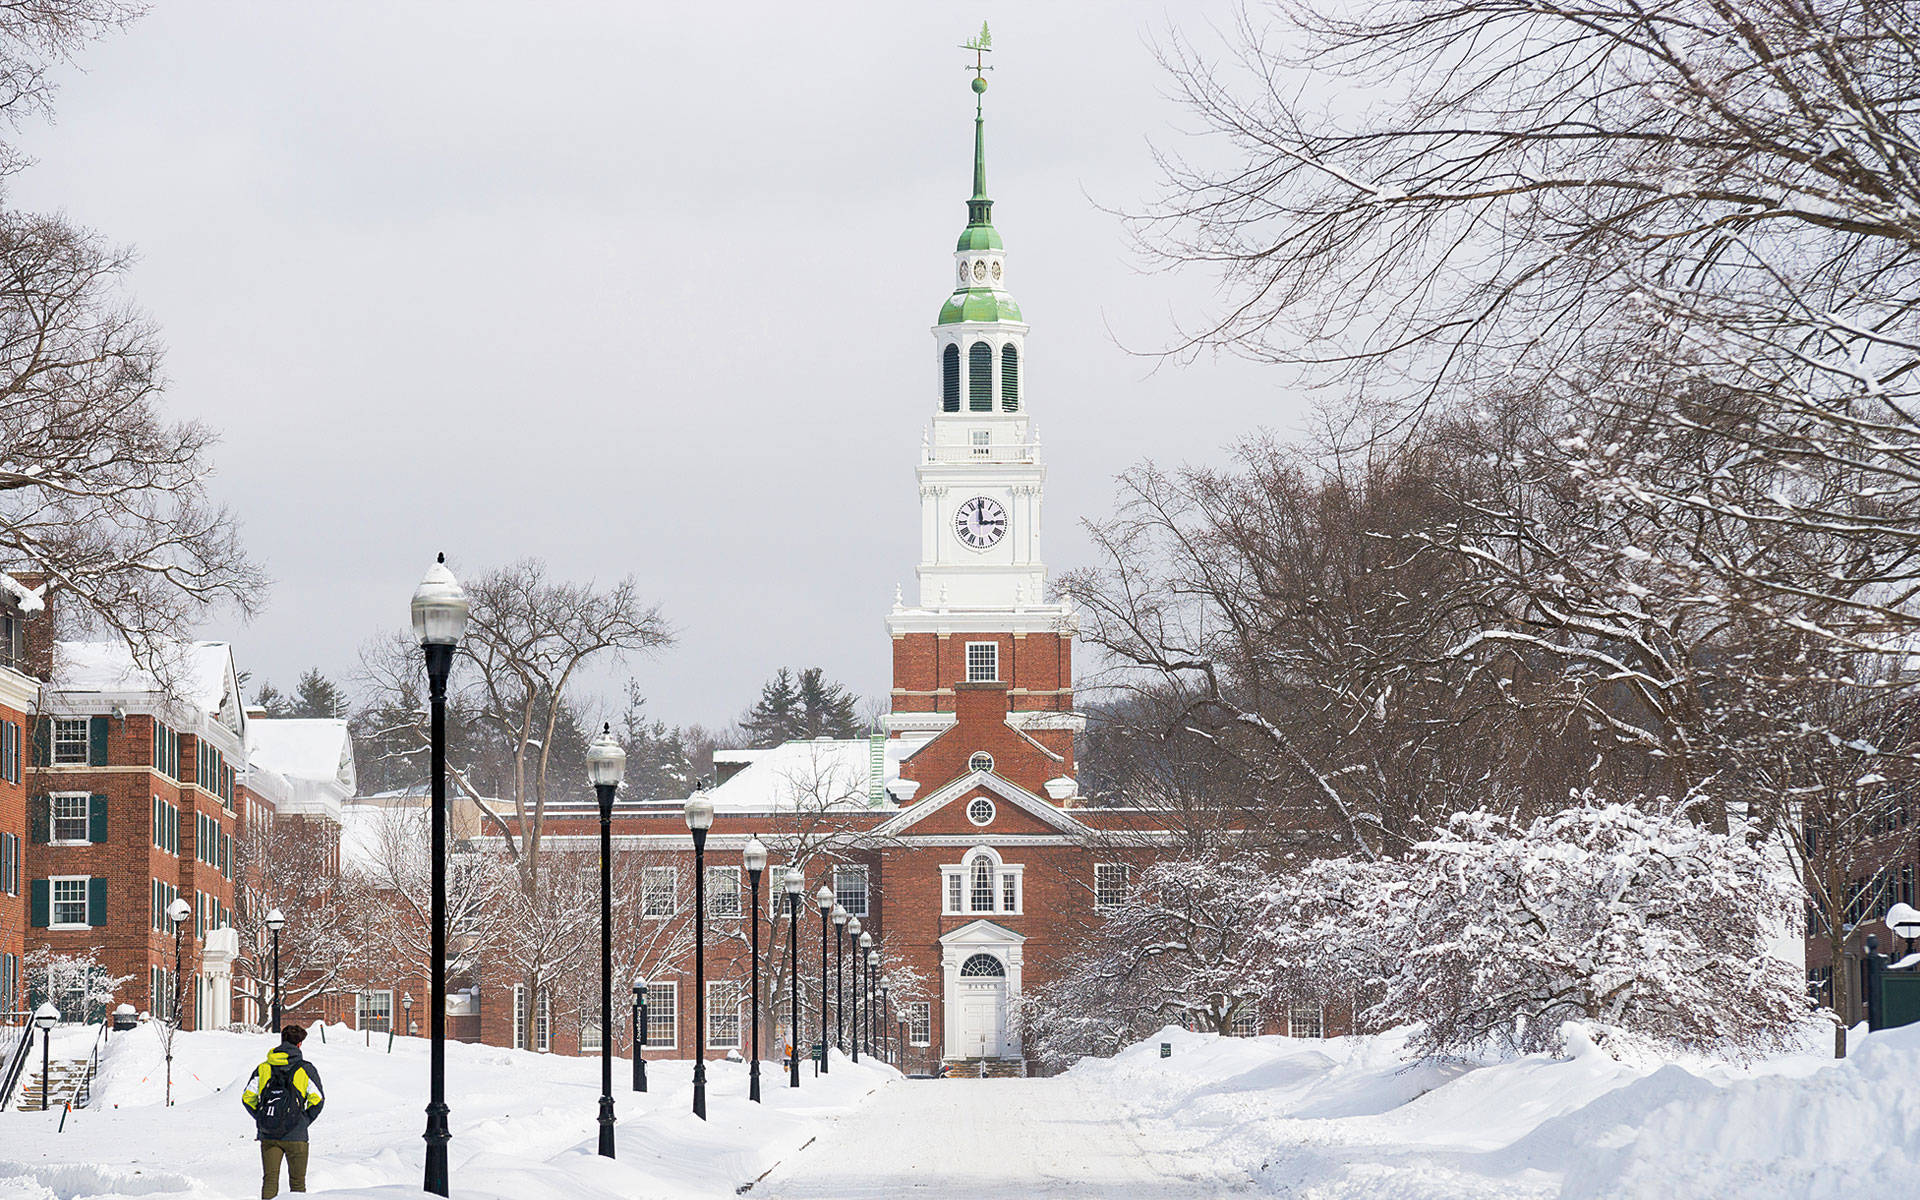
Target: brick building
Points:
(19, 698)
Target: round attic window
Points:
(980, 811)
(981, 761)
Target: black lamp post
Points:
(439, 618)
(824, 898)
(795, 883)
(177, 912)
(840, 916)
(854, 935)
(699, 812)
(275, 919)
(1904, 920)
(640, 1033)
(886, 1049)
(406, 1007)
(44, 1019)
(754, 857)
(873, 971)
(606, 767)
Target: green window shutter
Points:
(40, 816)
(980, 377)
(97, 901)
(41, 904)
(43, 741)
(97, 742)
(1009, 378)
(96, 819)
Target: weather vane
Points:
(981, 47)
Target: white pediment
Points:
(1012, 793)
(982, 933)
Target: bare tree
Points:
(292, 864)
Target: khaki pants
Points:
(270, 1155)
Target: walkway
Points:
(988, 1138)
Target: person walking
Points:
(284, 1097)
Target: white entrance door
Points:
(982, 997)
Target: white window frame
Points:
(974, 763)
(1299, 1012)
(920, 1023)
(649, 890)
(990, 660)
(53, 902)
(992, 811)
(956, 885)
(1245, 1023)
(1101, 894)
(62, 725)
(54, 818)
(671, 1040)
(842, 896)
(715, 910)
(590, 1026)
(368, 1015)
(982, 443)
(718, 993)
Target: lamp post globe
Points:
(754, 858)
(44, 1019)
(794, 883)
(1904, 919)
(699, 814)
(824, 898)
(840, 916)
(606, 768)
(275, 920)
(639, 1033)
(177, 912)
(439, 611)
(406, 1007)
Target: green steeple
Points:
(980, 233)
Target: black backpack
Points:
(280, 1107)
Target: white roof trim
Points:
(982, 932)
(1013, 793)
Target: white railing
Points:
(998, 452)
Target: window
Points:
(663, 1016)
(1306, 1021)
(1109, 884)
(1246, 1023)
(542, 1021)
(850, 889)
(723, 1014)
(980, 377)
(68, 814)
(1009, 892)
(981, 761)
(9, 878)
(164, 894)
(9, 751)
(590, 1025)
(69, 741)
(982, 966)
(954, 885)
(920, 1023)
(1009, 378)
(982, 441)
(983, 662)
(658, 888)
(723, 892)
(375, 1012)
(980, 809)
(69, 902)
(982, 872)
(950, 378)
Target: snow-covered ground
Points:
(523, 1124)
(1347, 1117)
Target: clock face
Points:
(980, 522)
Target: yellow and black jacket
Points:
(301, 1077)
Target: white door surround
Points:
(980, 965)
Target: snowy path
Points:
(987, 1138)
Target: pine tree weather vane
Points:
(981, 47)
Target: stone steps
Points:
(986, 1068)
(65, 1073)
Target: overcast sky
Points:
(634, 288)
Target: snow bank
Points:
(524, 1125)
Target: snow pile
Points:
(524, 1125)
(1352, 1117)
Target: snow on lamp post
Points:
(795, 883)
(840, 916)
(606, 767)
(639, 1033)
(754, 858)
(824, 898)
(275, 919)
(699, 812)
(1904, 920)
(406, 1007)
(177, 912)
(854, 935)
(439, 618)
(44, 1019)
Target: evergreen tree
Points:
(826, 707)
(316, 696)
(273, 700)
(658, 765)
(777, 716)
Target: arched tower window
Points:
(980, 377)
(982, 884)
(983, 965)
(1010, 378)
(950, 378)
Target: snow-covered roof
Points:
(824, 772)
(203, 671)
(302, 748)
(25, 598)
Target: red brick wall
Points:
(13, 820)
(1038, 667)
(980, 724)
